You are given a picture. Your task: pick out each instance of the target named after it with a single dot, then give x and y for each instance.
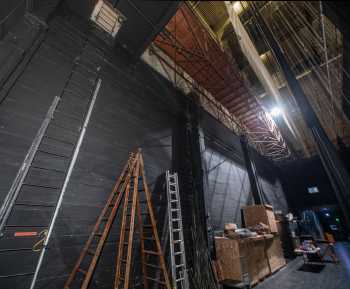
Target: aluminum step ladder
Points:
(177, 246)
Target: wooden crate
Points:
(274, 253)
(253, 215)
(254, 260)
(258, 256)
(228, 265)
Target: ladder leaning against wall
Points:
(177, 246)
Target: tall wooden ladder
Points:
(177, 246)
(137, 204)
(96, 241)
(131, 191)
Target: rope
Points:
(38, 246)
(303, 46)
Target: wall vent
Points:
(107, 17)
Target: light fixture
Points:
(275, 111)
(237, 7)
(263, 57)
(107, 17)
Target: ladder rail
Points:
(142, 245)
(122, 238)
(153, 222)
(182, 244)
(171, 235)
(132, 224)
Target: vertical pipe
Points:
(65, 184)
(252, 173)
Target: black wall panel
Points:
(228, 191)
(228, 182)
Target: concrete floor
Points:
(330, 276)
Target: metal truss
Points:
(194, 62)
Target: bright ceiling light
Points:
(237, 7)
(263, 57)
(275, 111)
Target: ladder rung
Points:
(82, 271)
(148, 238)
(173, 201)
(178, 253)
(173, 210)
(99, 234)
(176, 230)
(176, 220)
(151, 252)
(180, 279)
(123, 260)
(155, 280)
(90, 252)
(54, 154)
(180, 265)
(177, 241)
(152, 265)
(34, 205)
